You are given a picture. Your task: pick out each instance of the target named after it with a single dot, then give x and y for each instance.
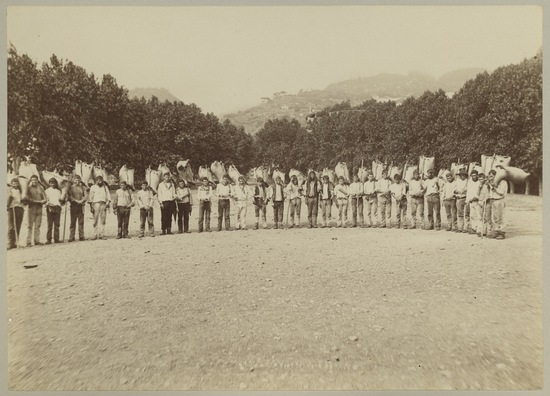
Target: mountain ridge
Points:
(161, 93)
(381, 87)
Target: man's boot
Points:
(257, 223)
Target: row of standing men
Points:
(473, 204)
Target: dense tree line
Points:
(498, 112)
(58, 113)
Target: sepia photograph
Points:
(274, 198)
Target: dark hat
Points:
(325, 177)
(474, 172)
(99, 177)
(462, 171)
(123, 182)
(204, 178)
(259, 179)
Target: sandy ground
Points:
(295, 309)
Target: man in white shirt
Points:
(472, 204)
(166, 194)
(204, 195)
(311, 191)
(384, 200)
(342, 197)
(449, 202)
(497, 193)
(370, 200)
(461, 184)
(398, 191)
(223, 191)
(325, 194)
(294, 193)
(99, 199)
(278, 202)
(241, 195)
(145, 205)
(356, 193)
(416, 192)
(55, 201)
(122, 206)
(261, 198)
(15, 212)
(432, 201)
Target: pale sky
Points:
(226, 58)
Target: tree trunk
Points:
(527, 186)
(540, 186)
(512, 188)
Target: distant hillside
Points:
(454, 80)
(161, 93)
(382, 87)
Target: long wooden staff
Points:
(65, 215)
(15, 228)
(287, 210)
(483, 220)
(64, 222)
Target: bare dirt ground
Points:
(325, 309)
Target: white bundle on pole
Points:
(204, 171)
(299, 175)
(425, 164)
(233, 173)
(487, 163)
(342, 170)
(363, 174)
(152, 177)
(409, 172)
(218, 170)
(395, 170)
(184, 171)
(278, 173)
(126, 174)
(331, 175)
